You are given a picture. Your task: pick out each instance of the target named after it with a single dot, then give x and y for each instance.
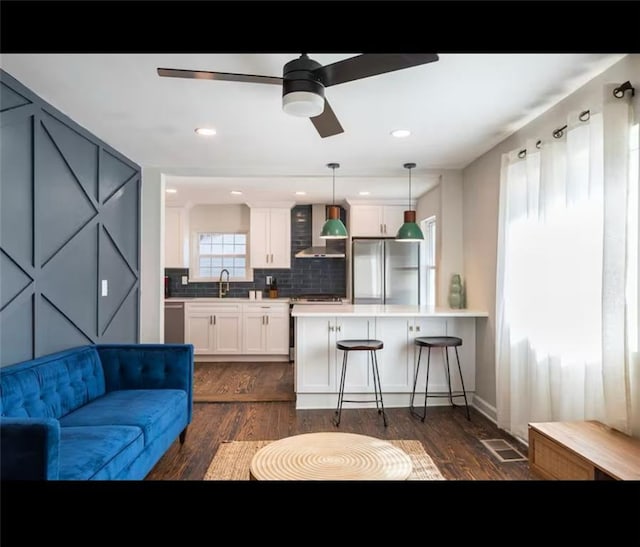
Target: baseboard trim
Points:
(488, 411)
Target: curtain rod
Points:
(584, 116)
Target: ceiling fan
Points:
(303, 81)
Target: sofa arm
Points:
(148, 366)
(29, 448)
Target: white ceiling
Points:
(456, 108)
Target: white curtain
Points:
(564, 316)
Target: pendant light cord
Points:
(409, 189)
(333, 200)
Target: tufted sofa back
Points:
(53, 385)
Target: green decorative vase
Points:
(455, 292)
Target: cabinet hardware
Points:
(267, 319)
(410, 328)
(210, 320)
(381, 230)
(271, 258)
(263, 319)
(214, 319)
(385, 228)
(418, 328)
(339, 328)
(331, 329)
(266, 258)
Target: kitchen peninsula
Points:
(318, 361)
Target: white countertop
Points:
(377, 310)
(222, 300)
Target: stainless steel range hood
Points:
(318, 247)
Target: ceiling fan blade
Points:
(363, 66)
(225, 76)
(326, 123)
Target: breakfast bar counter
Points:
(317, 360)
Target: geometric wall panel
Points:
(71, 278)
(12, 281)
(80, 153)
(16, 331)
(120, 216)
(69, 217)
(57, 189)
(55, 332)
(10, 98)
(16, 189)
(112, 266)
(123, 327)
(113, 174)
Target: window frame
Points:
(195, 258)
(430, 242)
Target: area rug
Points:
(231, 461)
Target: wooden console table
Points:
(586, 450)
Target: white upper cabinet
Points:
(375, 220)
(175, 237)
(270, 237)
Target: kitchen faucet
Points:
(223, 290)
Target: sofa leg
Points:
(183, 435)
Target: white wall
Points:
(481, 181)
(152, 260)
(445, 203)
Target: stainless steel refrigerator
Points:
(385, 271)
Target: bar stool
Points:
(444, 342)
(360, 345)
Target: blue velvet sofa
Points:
(95, 412)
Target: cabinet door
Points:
(358, 374)
(254, 332)
(277, 333)
(173, 237)
(366, 221)
(315, 355)
(227, 330)
(259, 238)
(395, 359)
(279, 238)
(393, 218)
(199, 332)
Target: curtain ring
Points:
(522, 153)
(539, 144)
(584, 115)
(618, 92)
(559, 132)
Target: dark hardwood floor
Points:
(452, 441)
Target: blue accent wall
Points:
(69, 218)
(307, 275)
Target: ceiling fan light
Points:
(303, 103)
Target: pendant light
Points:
(409, 231)
(333, 227)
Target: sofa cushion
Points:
(51, 386)
(153, 410)
(97, 452)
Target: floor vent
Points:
(502, 450)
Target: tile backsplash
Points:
(307, 275)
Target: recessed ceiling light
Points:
(206, 131)
(400, 133)
(301, 193)
(171, 191)
(236, 192)
(364, 193)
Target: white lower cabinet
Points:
(316, 339)
(318, 362)
(266, 329)
(214, 329)
(238, 328)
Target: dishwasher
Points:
(174, 322)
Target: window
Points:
(428, 274)
(217, 251)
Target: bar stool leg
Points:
(415, 382)
(341, 390)
(375, 384)
(446, 360)
(426, 386)
(462, 382)
(377, 376)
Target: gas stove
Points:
(316, 299)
